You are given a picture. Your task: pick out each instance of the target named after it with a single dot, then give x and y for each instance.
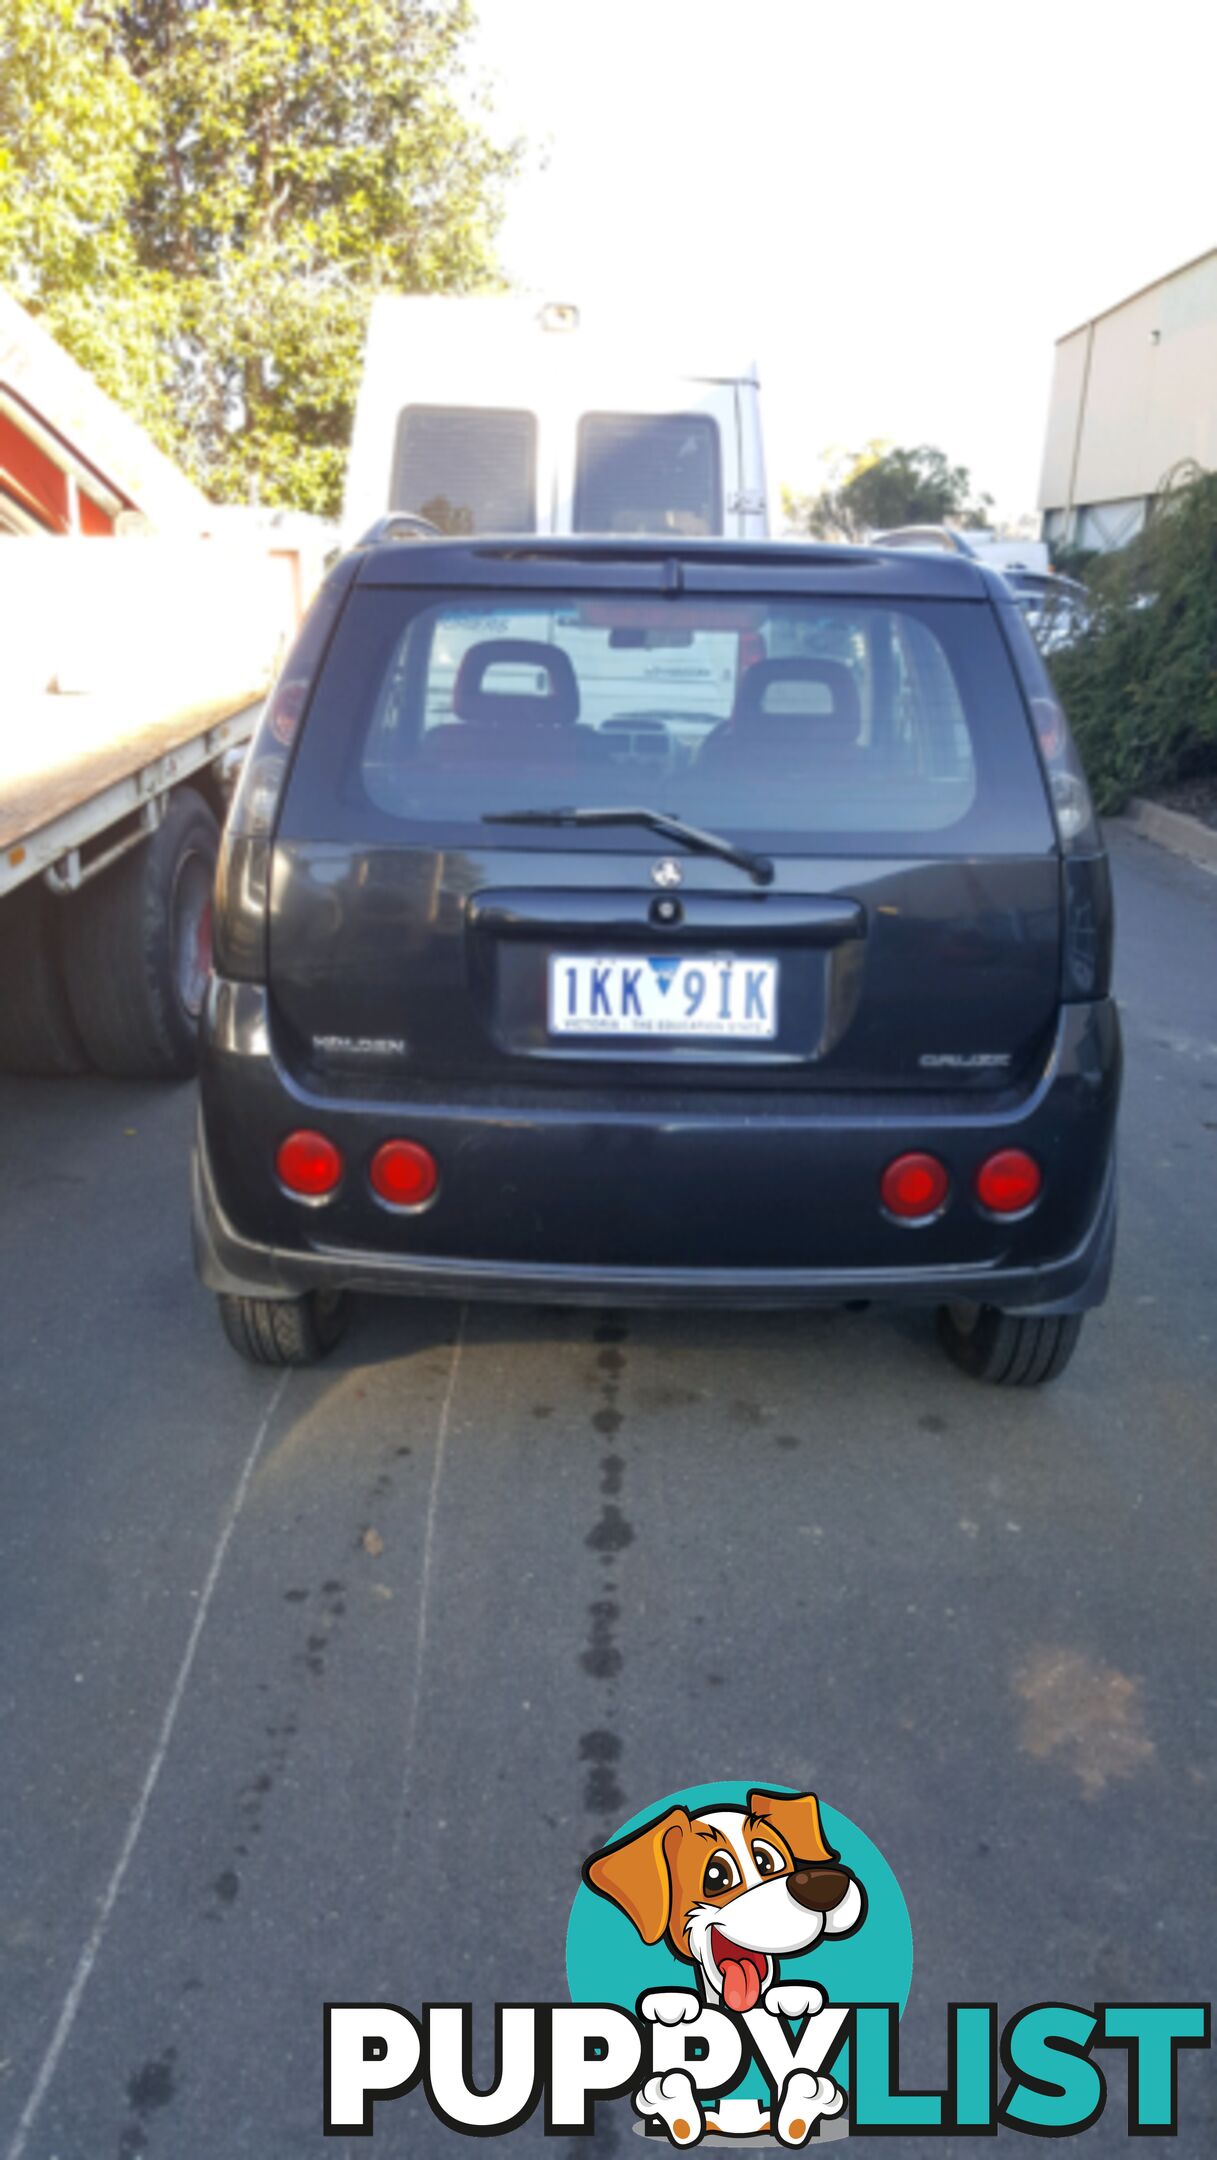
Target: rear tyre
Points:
(37, 1032)
(284, 1331)
(1008, 1349)
(137, 948)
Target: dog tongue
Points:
(741, 1985)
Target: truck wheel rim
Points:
(192, 933)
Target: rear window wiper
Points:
(758, 867)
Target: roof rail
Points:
(399, 525)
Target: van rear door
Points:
(489, 416)
(452, 419)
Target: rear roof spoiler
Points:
(658, 564)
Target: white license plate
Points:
(609, 994)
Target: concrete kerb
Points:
(1172, 829)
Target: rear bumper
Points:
(578, 1205)
(226, 1261)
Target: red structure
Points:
(71, 461)
(46, 484)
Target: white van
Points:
(500, 415)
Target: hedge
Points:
(1140, 682)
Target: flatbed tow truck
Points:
(130, 681)
(140, 628)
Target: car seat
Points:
(823, 733)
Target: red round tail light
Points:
(914, 1187)
(1008, 1182)
(403, 1173)
(309, 1165)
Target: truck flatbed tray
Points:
(60, 755)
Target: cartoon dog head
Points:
(732, 1889)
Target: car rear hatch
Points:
(853, 722)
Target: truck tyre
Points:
(1008, 1349)
(137, 948)
(284, 1331)
(37, 1032)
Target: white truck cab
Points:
(502, 415)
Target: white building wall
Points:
(1133, 394)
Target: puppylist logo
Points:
(738, 1959)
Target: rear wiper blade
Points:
(758, 867)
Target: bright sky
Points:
(896, 205)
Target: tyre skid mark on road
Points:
(87, 1960)
(321, 1611)
(414, 1700)
(152, 2087)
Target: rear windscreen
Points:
(839, 721)
(467, 469)
(641, 473)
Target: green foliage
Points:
(72, 126)
(874, 489)
(75, 127)
(1074, 562)
(1140, 685)
(201, 197)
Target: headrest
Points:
(558, 706)
(839, 724)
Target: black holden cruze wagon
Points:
(662, 922)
